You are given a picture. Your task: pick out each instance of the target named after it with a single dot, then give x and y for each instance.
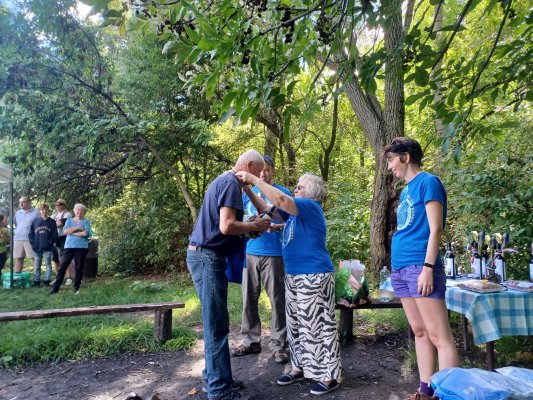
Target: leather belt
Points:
(192, 247)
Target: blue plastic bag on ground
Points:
(469, 384)
(523, 379)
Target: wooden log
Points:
(72, 312)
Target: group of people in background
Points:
(59, 238)
(287, 255)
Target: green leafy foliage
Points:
(492, 191)
(145, 231)
(348, 217)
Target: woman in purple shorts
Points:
(418, 276)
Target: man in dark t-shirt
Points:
(217, 234)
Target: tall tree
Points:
(255, 47)
(62, 104)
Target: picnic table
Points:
(492, 315)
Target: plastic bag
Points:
(523, 377)
(350, 284)
(469, 384)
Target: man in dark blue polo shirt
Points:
(218, 233)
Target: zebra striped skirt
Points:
(311, 327)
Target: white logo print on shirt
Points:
(406, 213)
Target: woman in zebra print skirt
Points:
(309, 281)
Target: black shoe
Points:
(236, 385)
(46, 283)
(36, 284)
(53, 291)
(321, 388)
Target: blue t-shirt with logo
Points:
(409, 243)
(268, 244)
(224, 191)
(304, 240)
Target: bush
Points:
(348, 219)
(145, 231)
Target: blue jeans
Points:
(38, 259)
(208, 271)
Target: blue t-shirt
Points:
(268, 244)
(410, 242)
(304, 240)
(224, 191)
(77, 242)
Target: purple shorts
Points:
(405, 285)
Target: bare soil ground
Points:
(372, 369)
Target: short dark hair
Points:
(406, 145)
(269, 160)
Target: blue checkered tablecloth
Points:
(493, 315)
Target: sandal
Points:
(288, 379)
(280, 357)
(243, 350)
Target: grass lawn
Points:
(102, 335)
(45, 340)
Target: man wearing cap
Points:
(23, 219)
(60, 217)
(264, 265)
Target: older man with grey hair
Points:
(218, 234)
(23, 220)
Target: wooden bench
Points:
(162, 321)
(346, 317)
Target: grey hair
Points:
(247, 156)
(315, 187)
(79, 205)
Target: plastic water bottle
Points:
(386, 292)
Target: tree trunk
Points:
(274, 123)
(380, 127)
(324, 160)
(440, 127)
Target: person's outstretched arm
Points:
(277, 197)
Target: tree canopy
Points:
(126, 105)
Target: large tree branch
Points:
(140, 137)
(489, 56)
(454, 32)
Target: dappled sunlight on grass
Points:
(111, 332)
(98, 335)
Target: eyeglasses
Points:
(59, 204)
(299, 187)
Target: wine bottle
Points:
(450, 262)
(499, 263)
(476, 260)
(531, 264)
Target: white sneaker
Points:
(68, 282)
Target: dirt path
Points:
(370, 371)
